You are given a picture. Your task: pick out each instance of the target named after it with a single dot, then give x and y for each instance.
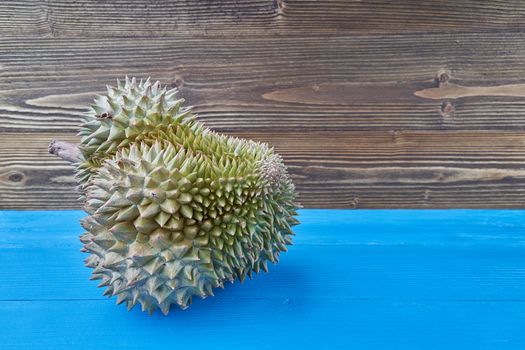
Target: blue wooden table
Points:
(381, 279)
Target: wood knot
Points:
(447, 109)
(278, 5)
(442, 77)
(15, 177)
(178, 82)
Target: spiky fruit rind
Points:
(180, 210)
(123, 116)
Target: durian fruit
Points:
(175, 209)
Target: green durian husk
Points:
(177, 209)
(125, 115)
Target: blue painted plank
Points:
(319, 226)
(356, 272)
(294, 323)
(396, 279)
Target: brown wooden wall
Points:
(373, 103)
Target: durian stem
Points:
(65, 150)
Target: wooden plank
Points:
(427, 271)
(248, 17)
(270, 83)
(32, 178)
(454, 228)
(370, 169)
(276, 70)
(267, 324)
(371, 279)
(425, 261)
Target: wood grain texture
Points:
(368, 279)
(356, 169)
(337, 82)
(248, 17)
(420, 103)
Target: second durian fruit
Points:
(175, 209)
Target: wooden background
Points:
(373, 104)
